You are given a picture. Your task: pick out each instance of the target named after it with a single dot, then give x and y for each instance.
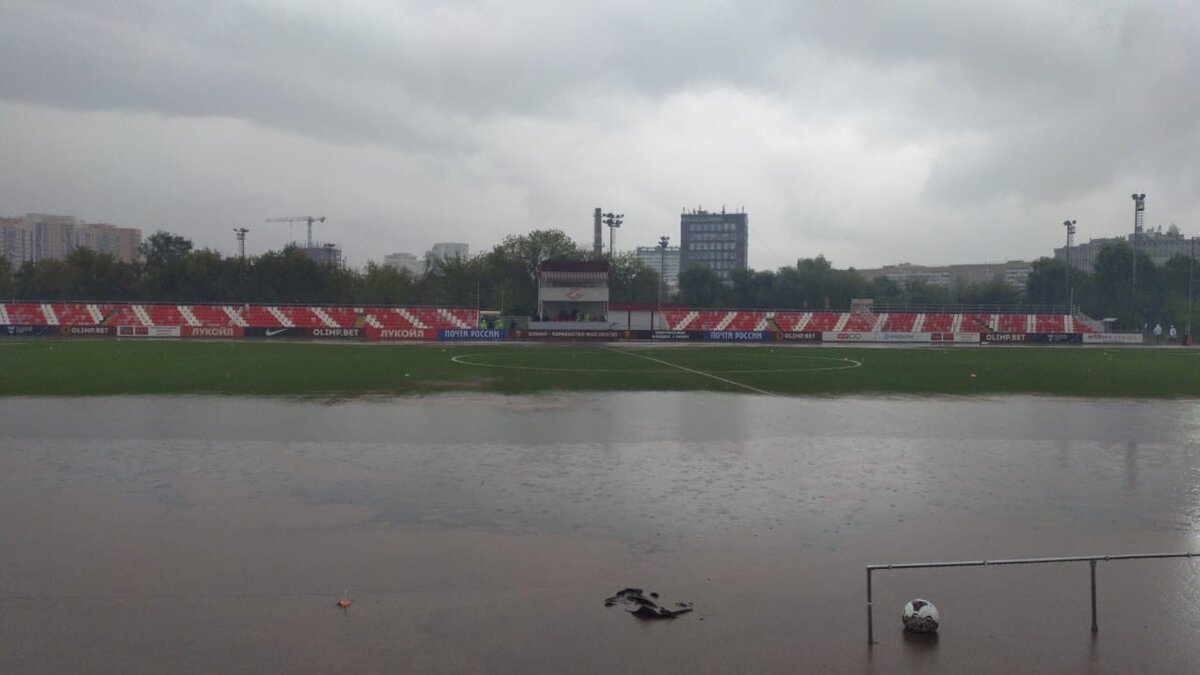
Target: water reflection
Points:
(444, 514)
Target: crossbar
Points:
(1090, 559)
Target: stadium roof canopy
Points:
(575, 272)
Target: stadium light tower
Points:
(240, 232)
(1139, 215)
(1191, 275)
(1070, 225)
(662, 267)
(613, 221)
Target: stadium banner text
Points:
(848, 336)
(211, 331)
(149, 331)
(736, 336)
(954, 337)
(1033, 338)
(1113, 338)
(798, 336)
(471, 334)
(86, 331)
(27, 330)
(667, 335)
(552, 334)
(399, 334)
(259, 332)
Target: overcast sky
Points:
(872, 132)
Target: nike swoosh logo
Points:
(272, 333)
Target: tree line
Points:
(171, 269)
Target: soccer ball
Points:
(920, 616)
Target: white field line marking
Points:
(463, 360)
(691, 370)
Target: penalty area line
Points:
(690, 370)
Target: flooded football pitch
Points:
(483, 534)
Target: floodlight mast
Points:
(662, 267)
(1139, 214)
(1070, 225)
(613, 221)
(240, 233)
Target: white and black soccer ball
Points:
(920, 616)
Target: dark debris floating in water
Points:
(643, 605)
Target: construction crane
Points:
(298, 219)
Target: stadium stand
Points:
(1012, 323)
(436, 318)
(73, 314)
(207, 315)
(1050, 323)
(165, 315)
(342, 317)
(122, 315)
(301, 317)
(257, 316)
(900, 322)
(26, 313)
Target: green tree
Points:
(164, 257)
(1047, 284)
(8, 284)
(632, 280)
(700, 286)
(88, 275)
(386, 285)
(994, 292)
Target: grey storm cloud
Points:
(548, 106)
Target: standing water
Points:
(482, 534)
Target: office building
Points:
(39, 236)
(446, 250)
(666, 263)
(1015, 273)
(405, 261)
(1160, 246)
(718, 241)
(120, 242)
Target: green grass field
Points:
(107, 367)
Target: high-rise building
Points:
(718, 241)
(120, 242)
(666, 263)
(445, 250)
(405, 261)
(1015, 273)
(38, 236)
(1158, 245)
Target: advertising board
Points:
(954, 337)
(260, 332)
(571, 334)
(897, 336)
(472, 334)
(798, 336)
(148, 331)
(400, 334)
(1113, 338)
(335, 333)
(848, 336)
(87, 331)
(27, 330)
(210, 331)
(736, 336)
(1005, 337)
(668, 335)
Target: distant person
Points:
(1158, 332)
(1172, 335)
